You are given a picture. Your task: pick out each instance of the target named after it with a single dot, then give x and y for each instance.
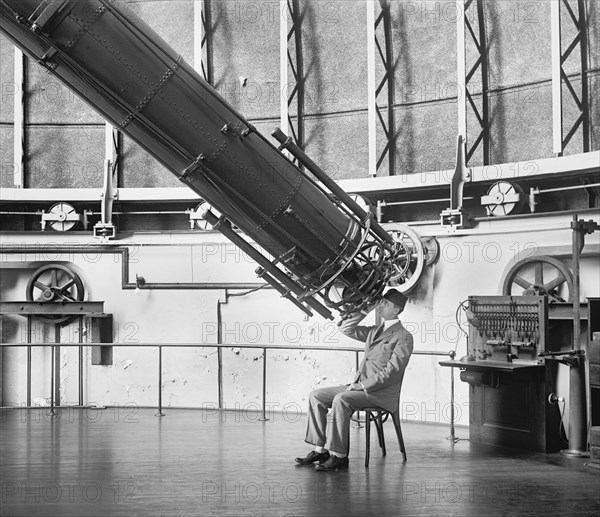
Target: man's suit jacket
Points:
(386, 356)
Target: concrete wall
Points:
(470, 263)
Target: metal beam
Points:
(203, 47)
(53, 308)
(379, 43)
(560, 77)
(291, 60)
(466, 95)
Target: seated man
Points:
(377, 383)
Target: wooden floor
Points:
(130, 462)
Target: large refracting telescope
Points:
(313, 243)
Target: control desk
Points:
(509, 381)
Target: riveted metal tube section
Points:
(119, 65)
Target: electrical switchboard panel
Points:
(511, 329)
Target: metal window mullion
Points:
(19, 120)
(572, 91)
(283, 68)
(571, 13)
(292, 67)
(557, 142)
(484, 83)
(474, 147)
(575, 127)
(474, 108)
(461, 68)
(371, 88)
(472, 32)
(584, 74)
(382, 122)
(464, 78)
(381, 84)
(299, 74)
(390, 145)
(292, 129)
(382, 155)
(570, 48)
(473, 69)
(293, 60)
(203, 55)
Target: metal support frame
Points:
(26, 308)
(466, 91)
(105, 229)
(203, 44)
(31, 309)
(378, 26)
(560, 77)
(576, 358)
(292, 59)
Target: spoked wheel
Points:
(55, 283)
(505, 198)
(538, 276)
(409, 259)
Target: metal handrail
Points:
(262, 347)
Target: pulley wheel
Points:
(61, 211)
(431, 248)
(503, 194)
(539, 276)
(55, 283)
(202, 224)
(410, 258)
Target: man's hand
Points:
(355, 386)
(371, 306)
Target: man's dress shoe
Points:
(313, 456)
(333, 463)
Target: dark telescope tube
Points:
(120, 66)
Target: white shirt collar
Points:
(388, 323)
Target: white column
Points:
(371, 88)
(283, 66)
(556, 78)
(110, 149)
(19, 119)
(461, 69)
(198, 35)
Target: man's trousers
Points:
(331, 429)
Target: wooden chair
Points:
(378, 416)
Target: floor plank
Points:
(128, 462)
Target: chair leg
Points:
(377, 426)
(368, 437)
(396, 420)
(379, 423)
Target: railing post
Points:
(29, 318)
(264, 387)
(80, 361)
(160, 413)
(452, 436)
(52, 412)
